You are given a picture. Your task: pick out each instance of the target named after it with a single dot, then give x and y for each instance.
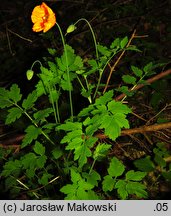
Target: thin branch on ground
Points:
(118, 60)
(149, 81)
(143, 129)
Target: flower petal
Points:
(37, 14)
(43, 18)
(38, 26)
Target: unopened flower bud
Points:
(29, 74)
(71, 28)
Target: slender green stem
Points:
(80, 82)
(66, 57)
(91, 29)
(53, 104)
(88, 87)
(89, 98)
(98, 84)
(37, 61)
(132, 88)
(101, 73)
(57, 106)
(54, 109)
(42, 132)
(97, 54)
(92, 166)
(85, 77)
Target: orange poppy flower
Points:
(43, 18)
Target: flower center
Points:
(45, 18)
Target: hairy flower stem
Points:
(92, 32)
(101, 73)
(37, 61)
(66, 57)
(97, 54)
(50, 92)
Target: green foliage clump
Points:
(63, 154)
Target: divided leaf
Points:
(41, 161)
(129, 79)
(42, 114)
(14, 113)
(135, 176)
(75, 176)
(14, 93)
(32, 133)
(103, 50)
(111, 127)
(4, 99)
(11, 168)
(115, 43)
(70, 126)
(101, 151)
(124, 42)
(121, 189)
(145, 164)
(92, 178)
(138, 72)
(108, 183)
(137, 189)
(116, 168)
(118, 107)
(29, 102)
(39, 148)
(105, 98)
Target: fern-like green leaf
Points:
(124, 42)
(4, 98)
(115, 43)
(29, 160)
(118, 107)
(11, 168)
(108, 183)
(101, 151)
(41, 161)
(14, 93)
(138, 72)
(86, 111)
(32, 133)
(111, 127)
(39, 148)
(29, 102)
(70, 126)
(135, 176)
(121, 189)
(145, 164)
(137, 189)
(45, 178)
(71, 135)
(105, 98)
(14, 113)
(4, 102)
(81, 154)
(129, 79)
(52, 66)
(121, 120)
(75, 176)
(116, 168)
(42, 114)
(92, 178)
(103, 50)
